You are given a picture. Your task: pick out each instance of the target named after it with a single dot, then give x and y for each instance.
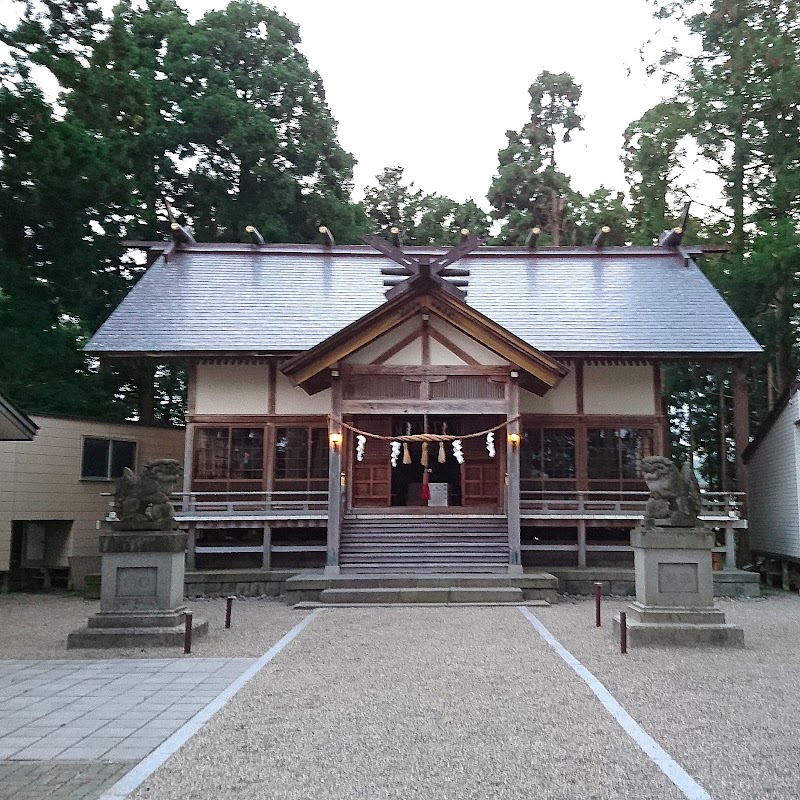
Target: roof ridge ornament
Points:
(674, 237)
(417, 271)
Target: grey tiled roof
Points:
(285, 300)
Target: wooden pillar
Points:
(512, 491)
(582, 543)
(188, 451)
(190, 545)
(334, 480)
(730, 547)
(741, 422)
(266, 557)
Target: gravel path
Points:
(449, 702)
(412, 703)
(728, 717)
(36, 626)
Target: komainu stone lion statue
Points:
(674, 496)
(142, 502)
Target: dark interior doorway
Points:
(476, 482)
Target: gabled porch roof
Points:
(311, 369)
(14, 425)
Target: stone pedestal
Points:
(141, 601)
(675, 591)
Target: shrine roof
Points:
(199, 299)
(14, 425)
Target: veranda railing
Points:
(714, 505)
(187, 503)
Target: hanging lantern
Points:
(395, 453)
(361, 444)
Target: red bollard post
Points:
(597, 589)
(623, 632)
(187, 632)
(228, 606)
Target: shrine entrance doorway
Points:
(476, 484)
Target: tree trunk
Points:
(145, 384)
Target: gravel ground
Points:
(36, 626)
(412, 703)
(728, 717)
(468, 703)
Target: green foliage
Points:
(651, 157)
(224, 115)
(424, 219)
(527, 188)
(739, 99)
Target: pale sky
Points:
(433, 85)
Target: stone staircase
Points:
(311, 589)
(424, 543)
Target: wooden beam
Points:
(334, 481)
(741, 422)
(426, 340)
(512, 490)
(420, 406)
(452, 347)
(398, 346)
(272, 387)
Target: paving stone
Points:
(57, 781)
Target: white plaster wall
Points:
(369, 352)
(618, 389)
(442, 355)
(291, 399)
(773, 496)
(232, 389)
(411, 354)
(483, 355)
(561, 400)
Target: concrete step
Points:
(421, 595)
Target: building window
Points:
(547, 459)
(301, 459)
(614, 455)
(229, 454)
(105, 459)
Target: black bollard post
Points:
(228, 607)
(598, 587)
(623, 632)
(187, 632)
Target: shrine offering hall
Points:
(369, 408)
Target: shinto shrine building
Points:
(374, 407)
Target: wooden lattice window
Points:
(380, 387)
(614, 456)
(229, 454)
(301, 459)
(467, 387)
(547, 459)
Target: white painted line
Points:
(144, 769)
(660, 757)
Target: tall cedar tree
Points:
(528, 189)
(142, 92)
